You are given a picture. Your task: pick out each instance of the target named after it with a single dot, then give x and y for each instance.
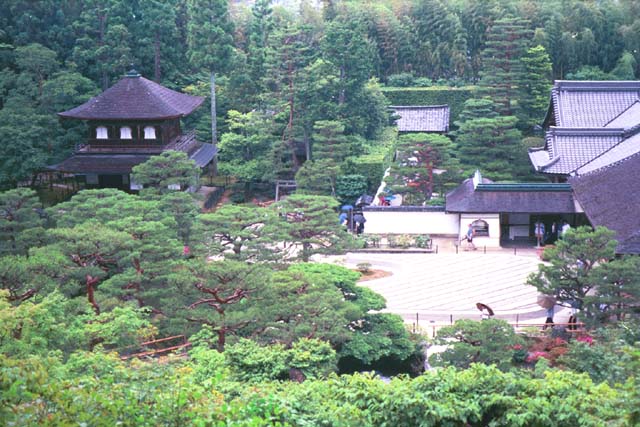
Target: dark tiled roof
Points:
(432, 118)
(519, 198)
(567, 149)
(610, 197)
(123, 163)
(203, 155)
(625, 148)
(135, 98)
(630, 245)
(591, 104)
(100, 163)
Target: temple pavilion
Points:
(131, 121)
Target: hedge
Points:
(437, 95)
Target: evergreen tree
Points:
(310, 225)
(442, 38)
(20, 224)
(102, 49)
(490, 143)
(209, 38)
(503, 76)
(330, 142)
(535, 93)
(244, 150)
(155, 35)
(421, 157)
(577, 269)
(166, 172)
(625, 67)
(291, 49)
(317, 177)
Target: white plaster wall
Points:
(493, 219)
(389, 222)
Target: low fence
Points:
(431, 327)
(156, 348)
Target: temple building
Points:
(591, 157)
(422, 118)
(131, 121)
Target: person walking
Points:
(471, 232)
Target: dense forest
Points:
(269, 337)
(286, 79)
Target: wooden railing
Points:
(177, 342)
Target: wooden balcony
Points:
(184, 142)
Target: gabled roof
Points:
(610, 196)
(567, 149)
(135, 98)
(592, 104)
(485, 196)
(427, 118)
(625, 148)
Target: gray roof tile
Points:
(135, 98)
(591, 104)
(626, 148)
(610, 197)
(433, 118)
(482, 199)
(568, 149)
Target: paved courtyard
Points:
(442, 287)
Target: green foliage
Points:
(244, 150)
(311, 225)
(602, 360)
(317, 177)
(578, 265)
(169, 169)
(506, 45)
(537, 86)
(489, 341)
(350, 187)
(20, 224)
(314, 358)
(237, 231)
(400, 80)
(250, 362)
(490, 143)
(420, 158)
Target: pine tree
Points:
(490, 143)
(534, 99)
(209, 36)
(503, 72)
(420, 156)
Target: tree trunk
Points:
(222, 338)
(342, 96)
(91, 281)
(289, 129)
(307, 144)
(157, 73)
(214, 124)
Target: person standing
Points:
(538, 230)
(565, 227)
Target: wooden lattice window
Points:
(149, 132)
(480, 227)
(125, 132)
(102, 132)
